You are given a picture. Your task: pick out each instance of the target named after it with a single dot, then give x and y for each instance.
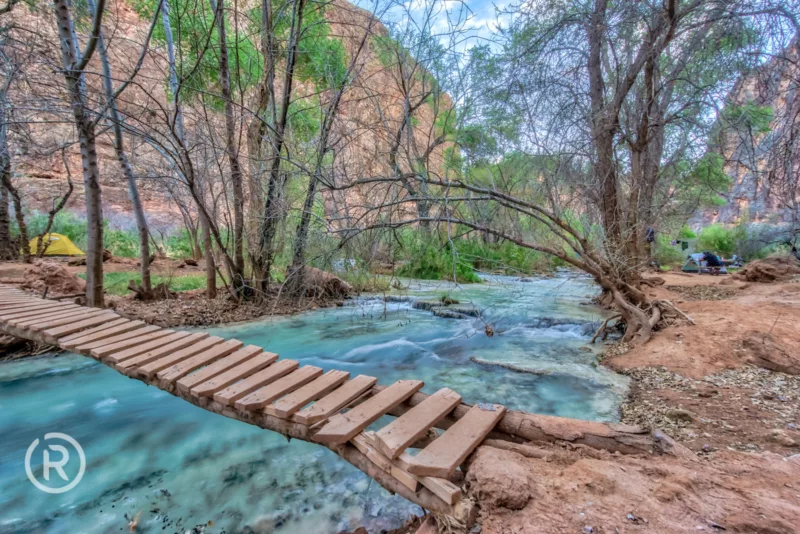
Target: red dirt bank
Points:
(706, 386)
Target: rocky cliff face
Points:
(762, 162)
(44, 153)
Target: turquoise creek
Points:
(173, 467)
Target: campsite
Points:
(430, 267)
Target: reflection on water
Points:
(181, 469)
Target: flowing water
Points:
(179, 468)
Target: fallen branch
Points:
(602, 329)
(675, 309)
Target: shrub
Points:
(665, 254)
(123, 243)
(116, 283)
(179, 245)
(686, 233)
(430, 261)
(720, 239)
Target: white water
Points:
(180, 467)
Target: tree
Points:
(600, 93)
(74, 62)
(115, 120)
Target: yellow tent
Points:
(60, 245)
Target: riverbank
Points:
(189, 306)
(715, 387)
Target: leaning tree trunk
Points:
(122, 157)
(231, 147)
(84, 123)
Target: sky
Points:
(477, 20)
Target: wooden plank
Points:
(332, 403)
(445, 454)
(69, 319)
(217, 368)
(24, 322)
(19, 314)
(362, 443)
(96, 330)
(22, 304)
(407, 479)
(283, 386)
(59, 319)
(320, 387)
(106, 350)
(231, 376)
(446, 490)
(149, 370)
(342, 427)
(181, 369)
(393, 439)
(240, 389)
(101, 321)
(75, 340)
(38, 311)
(86, 347)
(22, 307)
(193, 343)
(143, 348)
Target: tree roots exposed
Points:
(638, 322)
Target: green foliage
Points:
(705, 180)
(428, 260)
(65, 223)
(720, 239)
(179, 245)
(749, 117)
(477, 141)
(305, 118)
(116, 283)
(506, 257)
(386, 49)
(665, 254)
(321, 59)
(192, 27)
(122, 243)
(364, 281)
(686, 233)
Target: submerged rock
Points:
(452, 312)
(586, 328)
(426, 304)
(469, 311)
(398, 298)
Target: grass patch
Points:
(366, 282)
(117, 283)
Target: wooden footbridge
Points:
(417, 454)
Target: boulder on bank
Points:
(772, 269)
(768, 352)
(320, 283)
(55, 277)
(499, 478)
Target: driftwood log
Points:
(521, 427)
